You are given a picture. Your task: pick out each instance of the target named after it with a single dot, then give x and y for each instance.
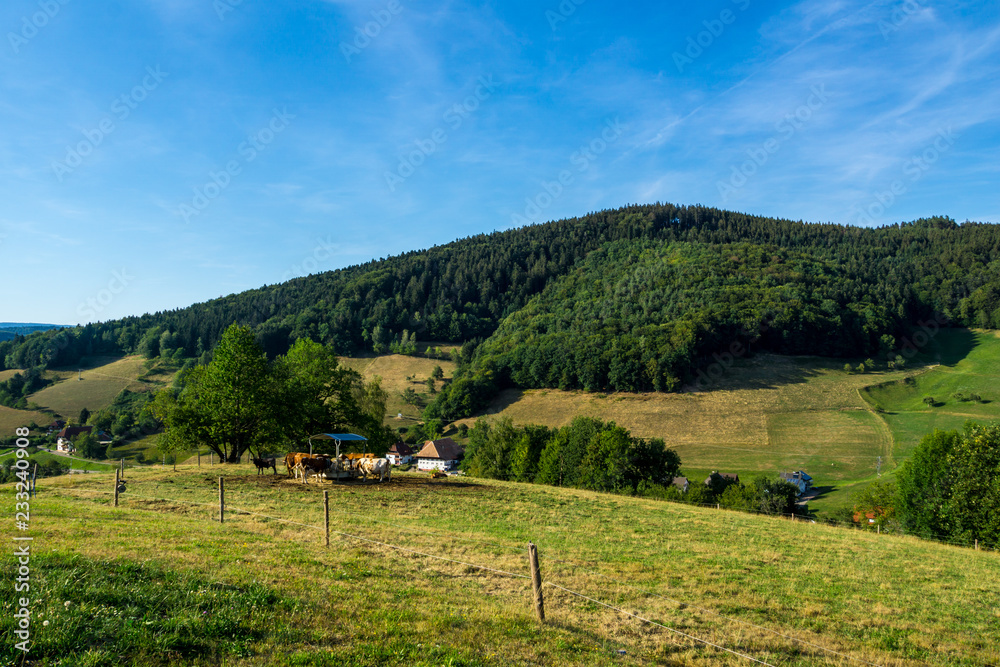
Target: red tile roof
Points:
(402, 449)
(71, 432)
(445, 449)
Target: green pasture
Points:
(256, 591)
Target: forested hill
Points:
(633, 296)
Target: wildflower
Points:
(44, 623)
(67, 603)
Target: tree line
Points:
(636, 298)
(602, 456)
(949, 489)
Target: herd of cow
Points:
(302, 465)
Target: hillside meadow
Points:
(771, 590)
(950, 386)
(96, 387)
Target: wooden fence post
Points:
(116, 487)
(123, 468)
(977, 539)
(536, 581)
(199, 459)
(326, 516)
(222, 501)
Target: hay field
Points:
(97, 388)
(772, 413)
(11, 419)
(394, 369)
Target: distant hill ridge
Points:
(638, 297)
(10, 330)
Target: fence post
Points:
(977, 539)
(123, 468)
(199, 459)
(116, 487)
(326, 516)
(878, 529)
(222, 501)
(536, 581)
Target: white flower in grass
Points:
(44, 623)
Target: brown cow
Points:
(292, 459)
(318, 465)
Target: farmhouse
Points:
(724, 478)
(681, 483)
(399, 453)
(64, 442)
(441, 454)
(798, 479)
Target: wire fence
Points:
(724, 642)
(894, 529)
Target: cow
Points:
(292, 459)
(374, 467)
(265, 463)
(318, 465)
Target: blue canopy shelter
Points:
(337, 438)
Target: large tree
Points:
(229, 405)
(241, 402)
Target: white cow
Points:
(374, 467)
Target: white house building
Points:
(798, 479)
(399, 453)
(443, 454)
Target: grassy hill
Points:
(93, 388)
(11, 419)
(258, 591)
(399, 372)
(769, 413)
(96, 387)
(950, 385)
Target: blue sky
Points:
(161, 152)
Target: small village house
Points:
(798, 479)
(65, 437)
(399, 454)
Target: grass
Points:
(886, 600)
(977, 372)
(11, 419)
(769, 414)
(74, 462)
(394, 369)
(99, 385)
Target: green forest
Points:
(633, 299)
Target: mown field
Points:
(768, 414)
(96, 387)
(394, 369)
(11, 419)
(159, 581)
